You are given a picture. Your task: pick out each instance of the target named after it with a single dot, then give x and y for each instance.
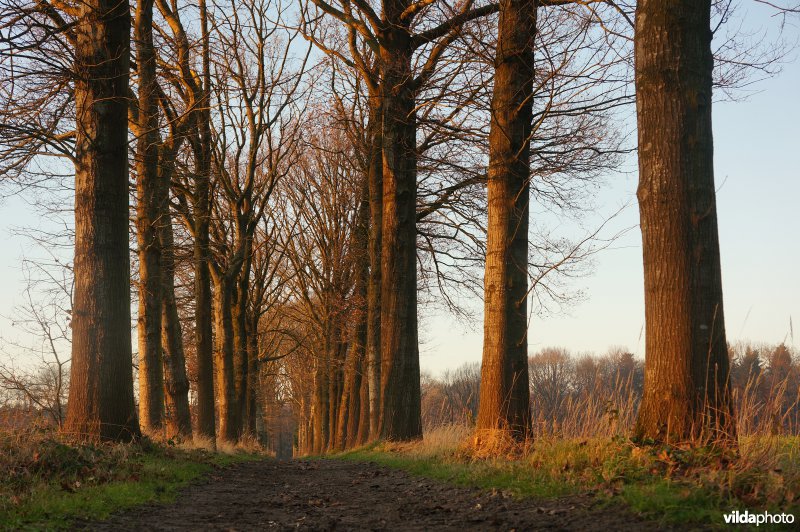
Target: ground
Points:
(346, 495)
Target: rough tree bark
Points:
(101, 392)
(400, 416)
(686, 393)
(335, 382)
(252, 410)
(375, 176)
(225, 374)
(350, 408)
(151, 376)
(319, 413)
(504, 396)
(202, 274)
(240, 336)
(178, 420)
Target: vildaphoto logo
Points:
(747, 518)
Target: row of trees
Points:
(305, 175)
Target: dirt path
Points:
(335, 495)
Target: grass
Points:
(670, 485)
(48, 482)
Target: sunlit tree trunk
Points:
(101, 383)
(686, 391)
(400, 417)
(319, 414)
(336, 358)
(350, 409)
(375, 177)
(176, 383)
(224, 372)
(504, 397)
(151, 377)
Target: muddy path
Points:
(337, 495)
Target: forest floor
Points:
(354, 495)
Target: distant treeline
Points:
(583, 394)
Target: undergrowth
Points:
(48, 481)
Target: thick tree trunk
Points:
(400, 417)
(362, 436)
(375, 177)
(344, 413)
(239, 313)
(101, 392)
(359, 340)
(176, 383)
(354, 400)
(686, 393)
(252, 411)
(151, 377)
(224, 362)
(319, 414)
(504, 396)
(202, 276)
(305, 437)
(334, 385)
(350, 400)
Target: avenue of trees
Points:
(275, 189)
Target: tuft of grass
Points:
(49, 482)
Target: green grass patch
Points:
(670, 485)
(50, 484)
(495, 474)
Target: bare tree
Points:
(324, 197)
(44, 316)
(256, 133)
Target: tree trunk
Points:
(686, 393)
(400, 417)
(151, 377)
(504, 395)
(101, 392)
(351, 397)
(334, 385)
(202, 276)
(375, 176)
(176, 384)
(319, 413)
(252, 410)
(344, 413)
(224, 361)
(362, 436)
(240, 347)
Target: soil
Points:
(339, 495)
